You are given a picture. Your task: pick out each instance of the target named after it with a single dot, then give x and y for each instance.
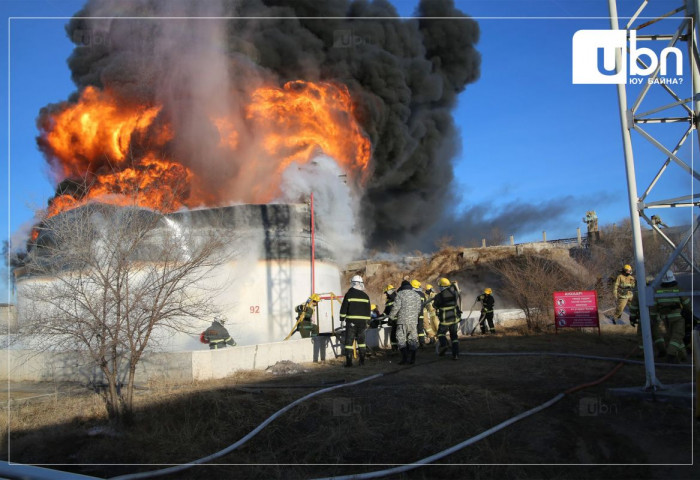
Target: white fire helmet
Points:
(668, 277)
(357, 282)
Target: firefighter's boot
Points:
(413, 357)
(455, 351)
(362, 358)
(404, 356)
(348, 359)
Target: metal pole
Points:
(625, 117)
(313, 248)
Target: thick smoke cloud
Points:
(404, 74)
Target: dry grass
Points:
(407, 414)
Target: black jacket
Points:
(355, 306)
(487, 302)
(217, 336)
(445, 303)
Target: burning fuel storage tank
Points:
(269, 273)
(266, 272)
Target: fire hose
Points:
(476, 438)
(42, 473)
(424, 461)
(254, 432)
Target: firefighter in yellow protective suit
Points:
(420, 327)
(623, 291)
(306, 327)
(430, 319)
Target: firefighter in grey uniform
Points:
(407, 306)
(446, 304)
(217, 336)
(356, 312)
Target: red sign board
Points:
(576, 309)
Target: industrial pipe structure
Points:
(632, 119)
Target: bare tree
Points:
(605, 258)
(102, 280)
(530, 281)
(496, 237)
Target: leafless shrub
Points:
(530, 280)
(443, 242)
(101, 279)
(496, 237)
(615, 248)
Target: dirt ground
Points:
(408, 413)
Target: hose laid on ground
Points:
(454, 448)
(419, 463)
(243, 440)
(482, 435)
(574, 355)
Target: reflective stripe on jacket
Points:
(355, 306)
(446, 306)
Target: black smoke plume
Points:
(405, 75)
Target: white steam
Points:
(336, 204)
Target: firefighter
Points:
(623, 291)
(420, 328)
(656, 336)
(487, 302)
(390, 293)
(375, 320)
(407, 307)
(670, 310)
(430, 319)
(447, 308)
(356, 312)
(217, 336)
(306, 327)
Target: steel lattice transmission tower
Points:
(660, 110)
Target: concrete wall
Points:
(24, 365)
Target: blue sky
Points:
(529, 136)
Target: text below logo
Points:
(594, 62)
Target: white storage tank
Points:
(258, 288)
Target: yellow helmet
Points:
(415, 283)
(315, 298)
(373, 306)
(428, 287)
(443, 282)
(488, 291)
(627, 267)
(389, 287)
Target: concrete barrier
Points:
(26, 365)
(505, 317)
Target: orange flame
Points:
(94, 129)
(120, 148)
(304, 116)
